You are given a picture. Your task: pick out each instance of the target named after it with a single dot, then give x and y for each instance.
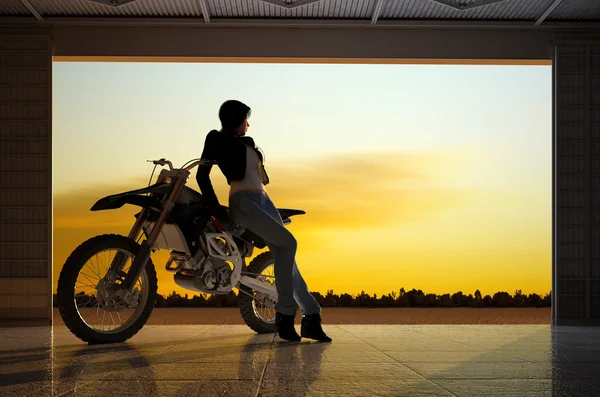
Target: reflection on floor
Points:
(362, 360)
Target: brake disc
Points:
(112, 297)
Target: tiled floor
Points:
(362, 360)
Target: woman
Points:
(250, 206)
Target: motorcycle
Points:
(208, 254)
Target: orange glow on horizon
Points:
(416, 229)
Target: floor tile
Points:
(362, 360)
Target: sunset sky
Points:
(416, 176)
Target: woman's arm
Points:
(211, 153)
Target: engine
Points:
(193, 269)
(211, 280)
(204, 274)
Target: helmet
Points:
(232, 113)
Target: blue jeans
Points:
(256, 211)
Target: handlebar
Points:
(162, 162)
(196, 163)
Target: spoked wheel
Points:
(258, 312)
(86, 300)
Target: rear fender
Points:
(286, 213)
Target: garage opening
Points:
(425, 185)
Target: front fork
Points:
(120, 258)
(141, 259)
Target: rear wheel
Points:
(257, 314)
(92, 314)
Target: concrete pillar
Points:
(576, 170)
(25, 174)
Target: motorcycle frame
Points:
(178, 181)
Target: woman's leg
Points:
(246, 209)
(302, 295)
(311, 321)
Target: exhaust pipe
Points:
(189, 282)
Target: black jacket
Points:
(228, 151)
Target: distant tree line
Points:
(402, 298)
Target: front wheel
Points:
(257, 314)
(92, 314)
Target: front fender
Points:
(114, 202)
(134, 197)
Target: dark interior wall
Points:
(25, 173)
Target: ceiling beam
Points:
(481, 4)
(547, 12)
(458, 7)
(113, 3)
(299, 22)
(204, 9)
(32, 9)
(289, 6)
(376, 11)
(368, 42)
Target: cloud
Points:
(341, 191)
(360, 191)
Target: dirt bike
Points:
(208, 252)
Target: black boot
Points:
(284, 324)
(311, 328)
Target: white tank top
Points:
(254, 175)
